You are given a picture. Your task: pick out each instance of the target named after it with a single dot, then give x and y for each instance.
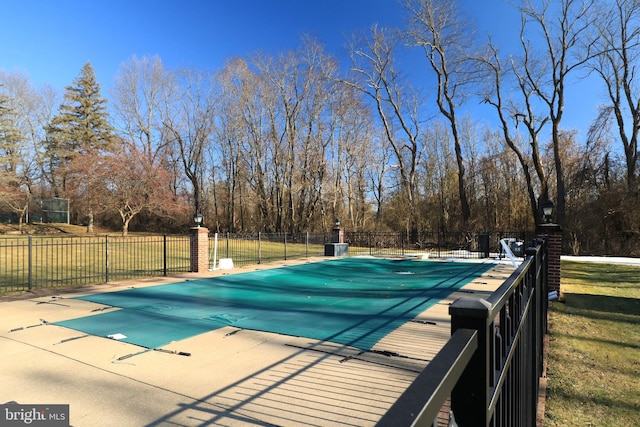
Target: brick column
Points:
(199, 245)
(553, 232)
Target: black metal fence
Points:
(258, 248)
(491, 367)
(31, 262)
(435, 244)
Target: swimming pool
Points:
(351, 301)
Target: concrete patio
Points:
(227, 377)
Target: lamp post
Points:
(199, 245)
(547, 210)
(197, 218)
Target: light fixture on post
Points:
(547, 210)
(337, 223)
(197, 218)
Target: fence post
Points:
(164, 241)
(470, 396)
(285, 245)
(259, 247)
(306, 245)
(106, 258)
(30, 262)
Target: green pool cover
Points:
(352, 301)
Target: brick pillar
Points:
(553, 232)
(199, 249)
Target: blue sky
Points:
(51, 40)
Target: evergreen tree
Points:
(80, 127)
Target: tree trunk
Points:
(90, 222)
(561, 192)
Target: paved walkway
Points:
(227, 377)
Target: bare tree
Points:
(354, 157)
(23, 116)
(440, 30)
(378, 173)
(140, 89)
(15, 191)
(139, 98)
(503, 191)
(188, 118)
(439, 178)
(310, 173)
(244, 143)
(398, 107)
(567, 45)
(556, 43)
(230, 155)
(514, 109)
(295, 102)
(618, 26)
(33, 108)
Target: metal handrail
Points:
(477, 363)
(436, 382)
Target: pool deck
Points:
(226, 377)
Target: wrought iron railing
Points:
(490, 368)
(29, 262)
(434, 244)
(258, 248)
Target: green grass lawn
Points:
(594, 352)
